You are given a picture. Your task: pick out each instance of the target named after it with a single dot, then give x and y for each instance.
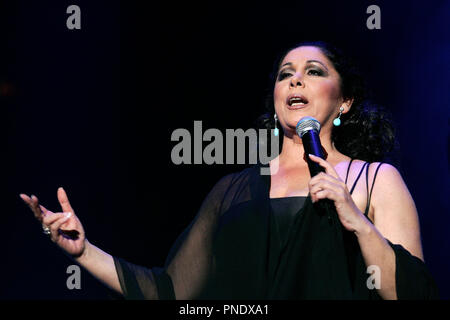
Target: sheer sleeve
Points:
(413, 279)
(190, 261)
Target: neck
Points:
(293, 152)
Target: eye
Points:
(283, 75)
(315, 72)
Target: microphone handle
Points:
(311, 144)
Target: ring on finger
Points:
(46, 229)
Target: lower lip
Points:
(297, 107)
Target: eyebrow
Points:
(309, 61)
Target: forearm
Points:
(101, 265)
(377, 251)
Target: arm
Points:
(396, 219)
(376, 251)
(101, 265)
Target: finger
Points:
(324, 164)
(323, 185)
(44, 211)
(32, 203)
(50, 219)
(63, 200)
(36, 207)
(35, 203)
(54, 227)
(26, 199)
(326, 194)
(322, 176)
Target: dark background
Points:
(93, 110)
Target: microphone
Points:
(308, 130)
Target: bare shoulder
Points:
(388, 190)
(388, 181)
(387, 170)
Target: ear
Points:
(347, 104)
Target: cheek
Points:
(328, 90)
(277, 94)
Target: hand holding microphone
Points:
(326, 189)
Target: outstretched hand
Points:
(65, 228)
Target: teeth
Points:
(296, 101)
(297, 104)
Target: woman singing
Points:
(265, 237)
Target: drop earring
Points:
(275, 131)
(337, 121)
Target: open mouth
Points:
(296, 101)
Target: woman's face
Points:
(307, 85)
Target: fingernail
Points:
(68, 214)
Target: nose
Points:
(296, 80)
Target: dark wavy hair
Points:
(366, 131)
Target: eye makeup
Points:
(310, 69)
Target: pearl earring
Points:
(337, 121)
(275, 131)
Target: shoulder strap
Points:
(369, 195)
(348, 170)
(356, 180)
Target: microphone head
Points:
(305, 124)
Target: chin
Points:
(293, 120)
(291, 125)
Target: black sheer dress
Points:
(244, 245)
